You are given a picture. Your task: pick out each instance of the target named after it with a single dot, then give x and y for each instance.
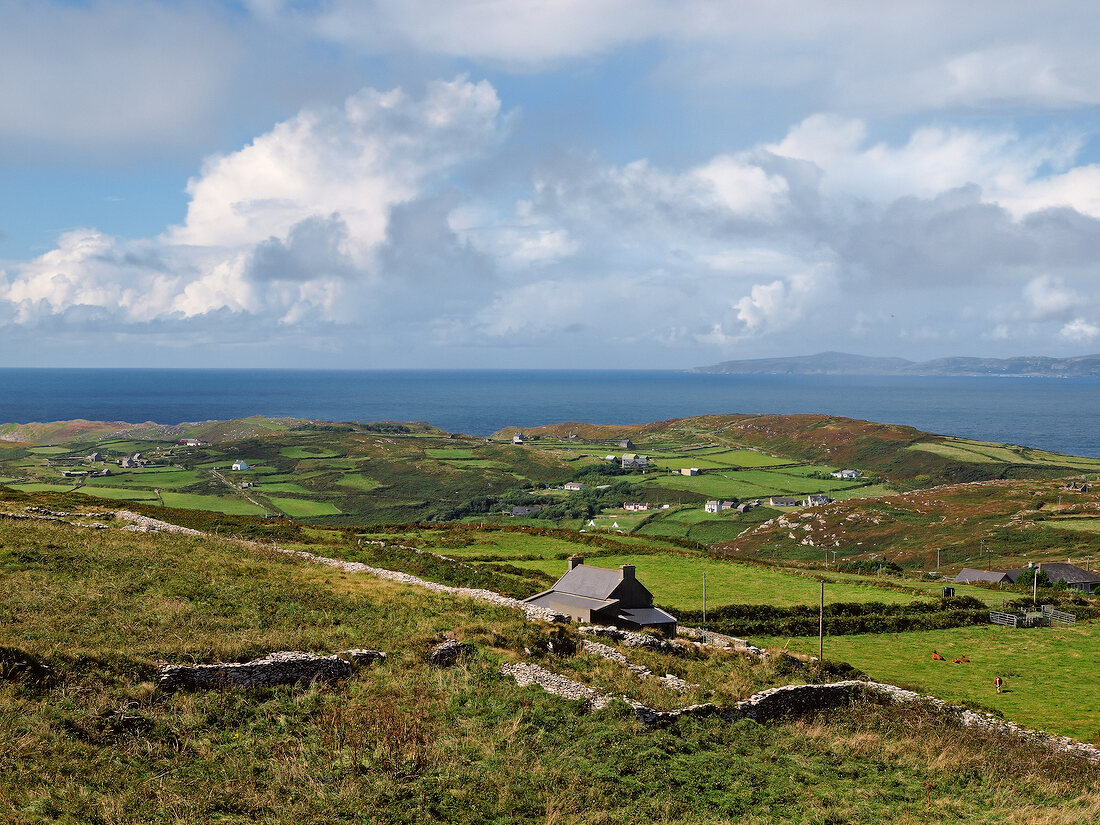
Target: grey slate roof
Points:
(646, 615)
(993, 576)
(549, 597)
(1070, 573)
(594, 582)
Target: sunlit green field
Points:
(677, 582)
(304, 508)
(219, 504)
(1050, 672)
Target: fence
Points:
(1058, 615)
(1006, 619)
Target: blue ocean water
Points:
(1054, 414)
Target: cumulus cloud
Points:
(291, 227)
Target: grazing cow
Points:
(964, 660)
(956, 661)
(998, 683)
(937, 657)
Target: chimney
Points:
(627, 571)
(575, 561)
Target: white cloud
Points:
(1048, 298)
(1080, 331)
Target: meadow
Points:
(1049, 672)
(402, 742)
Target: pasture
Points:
(1049, 672)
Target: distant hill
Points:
(841, 363)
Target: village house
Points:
(517, 438)
(626, 444)
(1076, 578)
(241, 464)
(609, 597)
(632, 461)
(689, 471)
(846, 474)
(521, 511)
(95, 457)
(718, 506)
(635, 506)
(818, 501)
(783, 501)
(574, 486)
(190, 442)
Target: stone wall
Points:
(282, 668)
(791, 701)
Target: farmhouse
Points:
(718, 506)
(601, 596)
(95, 457)
(689, 471)
(635, 506)
(818, 501)
(574, 486)
(517, 438)
(634, 461)
(626, 444)
(783, 501)
(846, 474)
(241, 464)
(1076, 578)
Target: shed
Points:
(601, 596)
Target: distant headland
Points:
(842, 363)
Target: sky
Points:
(545, 183)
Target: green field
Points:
(450, 452)
(677, 582)
(50, 450)
(304, 508)
(980, 452)
(1083, 524)
(117, 493)
(283, 487)
(163, 479)
(40, 487)
(1049, 672)
(358, 481)
(727, 458)
(301, 451)
(218, 504)
(711, 485)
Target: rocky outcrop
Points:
(288, 667)
(629, 638)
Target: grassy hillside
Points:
(96, 743)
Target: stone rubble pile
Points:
(281, 668)
(721, 640)
(144, 524)
(528, 674)
(630, 638)
(611, 654)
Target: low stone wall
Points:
(791, 701)
(611, 654)
(144, 524)
(629, 638)
(282, 668)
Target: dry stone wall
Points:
(796, 700)
(286, 667)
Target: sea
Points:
(1060, 414)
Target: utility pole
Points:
(704, 597)
(821, 625)
(937, 559)
(1035, 585)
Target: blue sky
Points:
(561, 183)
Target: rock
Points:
(282, 668)
(448, 653)
(362, 657)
